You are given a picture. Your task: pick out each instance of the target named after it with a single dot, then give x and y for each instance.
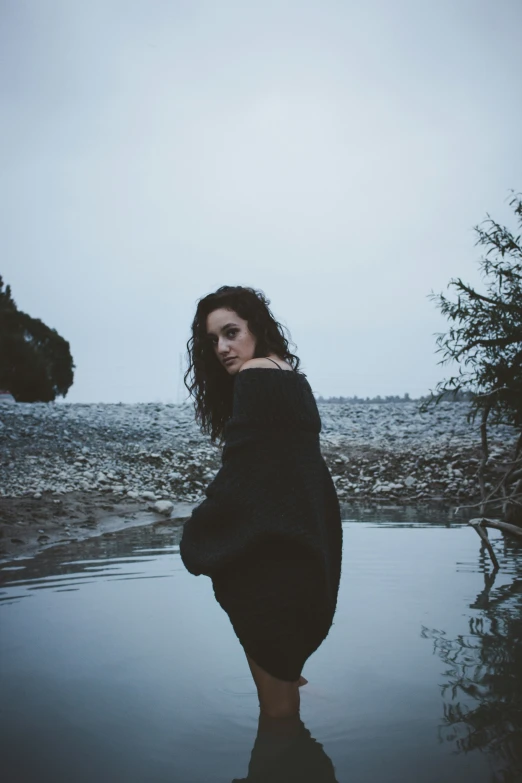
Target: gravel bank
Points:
(71, 470)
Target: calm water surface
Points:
(117, 666)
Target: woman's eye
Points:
(230, 334)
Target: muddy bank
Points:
(28, 525)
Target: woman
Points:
(269, 532)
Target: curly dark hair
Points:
(208, 382)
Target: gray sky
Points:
(335, 154)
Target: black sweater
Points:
(273, 483)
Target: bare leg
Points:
(277, 698)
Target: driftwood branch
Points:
(498, 524)
(481, 523)
(483, 534)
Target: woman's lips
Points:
(232, 359)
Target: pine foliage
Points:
(485, 335)
(35, 361)
(485, 338)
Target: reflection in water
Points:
(126, 554)
(284, 752)
(397, 515)
(483, 692)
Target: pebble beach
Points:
(71, 471)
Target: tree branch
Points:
(500, 342)
(485, 450)
(489, 501)
(496, 302)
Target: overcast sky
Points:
(335, 154)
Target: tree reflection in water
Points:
(483, 692)
(284, 752)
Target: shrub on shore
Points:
(35, 361)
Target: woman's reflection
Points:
(284, 752)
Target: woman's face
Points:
(231, 338)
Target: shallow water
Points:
(118, 665)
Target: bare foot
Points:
(302, 681)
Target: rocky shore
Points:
(69, 471)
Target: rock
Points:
(182, 510)
(163, 506)
(159, 449)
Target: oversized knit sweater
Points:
(273, 484)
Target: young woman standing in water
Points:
(268, 533)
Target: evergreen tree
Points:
(485, 337)
(35, 361)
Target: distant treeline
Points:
(450, 396)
